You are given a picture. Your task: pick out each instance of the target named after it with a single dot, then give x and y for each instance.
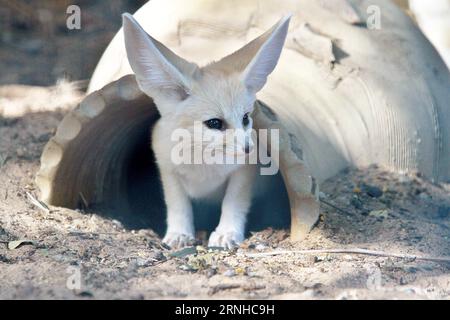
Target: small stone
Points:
(117, 223)
(260, 247)
(141, 262)
(423, 196)
(381, 214)
(201, 249)
(85, 294)
(373, 191)
(307, 294)
(411, 269)
(240, 271)
(20, 152)
(355, 202)
(211, 272)
(186, 267)
(158, 256)
(229, 273)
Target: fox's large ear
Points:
(257, 59)
(256, 73)
(158, 70)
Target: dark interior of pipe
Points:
(140, 189)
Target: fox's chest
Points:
(202, 181)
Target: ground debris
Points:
(115, 262)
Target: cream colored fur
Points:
(184, 94)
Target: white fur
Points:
(185, 93)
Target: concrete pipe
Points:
(350, 89)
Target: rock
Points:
(211, 272)
(229, 273)
(355, 202)
(372, 191)
(141, 262)
(20, 152)
(424, 196)
(186, 267)
(356, 190)
(260, 247)
(158, 256)
(315, 259)
(379, 213)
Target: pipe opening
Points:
(142, 196)
(108, 168)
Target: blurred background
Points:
(37, 48)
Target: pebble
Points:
(211, 272)
(355, 202)
(229, 273)
(424, 196)
(373, 191)
(379, 213)
(141, 262)
(307, 294)
(158, 256)
(20, 152)
(260, 247)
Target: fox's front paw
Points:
(178, 240)
(225, 239)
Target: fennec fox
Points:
(220, 97)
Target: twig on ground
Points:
(351, 251)
(334, 207)
(38, 203)
(221, 287)
(230, 286)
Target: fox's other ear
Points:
(159, 71)
(257, 59)
(264, 62)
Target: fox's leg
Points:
(180, 220)
(235, 206)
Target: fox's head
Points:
(219, 95)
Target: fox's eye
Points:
(245, 120)
(215, 123)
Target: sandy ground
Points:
(75, 255)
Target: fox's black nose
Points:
(248, 148)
